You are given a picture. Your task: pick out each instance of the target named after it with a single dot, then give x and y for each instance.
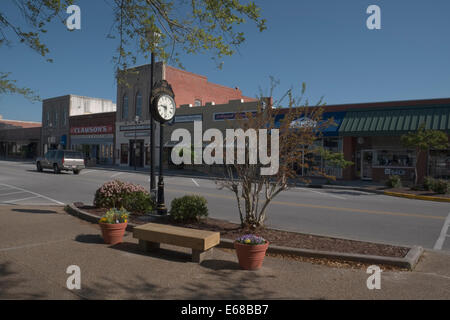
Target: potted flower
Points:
(113, 224)
(251, 250)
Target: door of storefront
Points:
(366, 164)
(137, 153)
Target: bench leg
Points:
(148, 246)
(198, 255)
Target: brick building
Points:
(94, 135)
(19, 139)
(133, 95)
(55, 117)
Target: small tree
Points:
(422, 141)
(334, 159)
(298, 130)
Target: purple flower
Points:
(251, 239)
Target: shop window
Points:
(393, 158)
(439, 164)
(125, 107)
(124, 153)
(138, 105)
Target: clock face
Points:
(166, 107)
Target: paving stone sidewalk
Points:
(38, 244)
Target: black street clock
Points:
(163, 103)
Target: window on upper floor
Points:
(197, 103)
(125, 107)
(138, 106)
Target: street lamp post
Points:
(136, 121)
(152, 134)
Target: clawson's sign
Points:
(92, 130)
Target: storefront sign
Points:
(91, 130)
(135, 127)
(232, 115)
(188, 118)
(138, 134)
(398, 172)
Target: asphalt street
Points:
(340, 213)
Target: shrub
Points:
(428, 183)
(394, 182)
(189, 208)
(440, 186)
(114, 216)
(118, 194)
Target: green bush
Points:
(394, 182)
(440, 186)
(118, 194)
(188, 208)
(428, 183)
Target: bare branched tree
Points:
(300, 126)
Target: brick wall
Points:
(189, 87)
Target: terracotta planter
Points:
(113, 233)
(250, 256)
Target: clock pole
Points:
(161, 207)
(152, 134)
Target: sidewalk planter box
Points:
(113, 232)
(250, 255)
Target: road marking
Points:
(301, 205)
(323, 193)
(23, 199)
(86, 171)
(37, 194)
(440, 241)
(195, 182)
(117, 174)
(32, 245)
(8, 194)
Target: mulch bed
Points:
(232, 231)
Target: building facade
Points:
(94, 135)
(19, 139)
(56, 113)
(133, 96)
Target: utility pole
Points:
(152, 134)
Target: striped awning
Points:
(394, 121)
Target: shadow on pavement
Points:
(9, 284)
(49, 171)
(351, 193)
(166, 254)
(220, 265)
(38, 211)
(89, 238)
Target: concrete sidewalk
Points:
(38, 244)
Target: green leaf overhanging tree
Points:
(196, 26)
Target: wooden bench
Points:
(151, 235)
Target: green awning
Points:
(394, 121)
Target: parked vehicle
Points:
(61, 160)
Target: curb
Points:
(417, 197)
(407, 262)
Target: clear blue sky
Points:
(324, 43)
